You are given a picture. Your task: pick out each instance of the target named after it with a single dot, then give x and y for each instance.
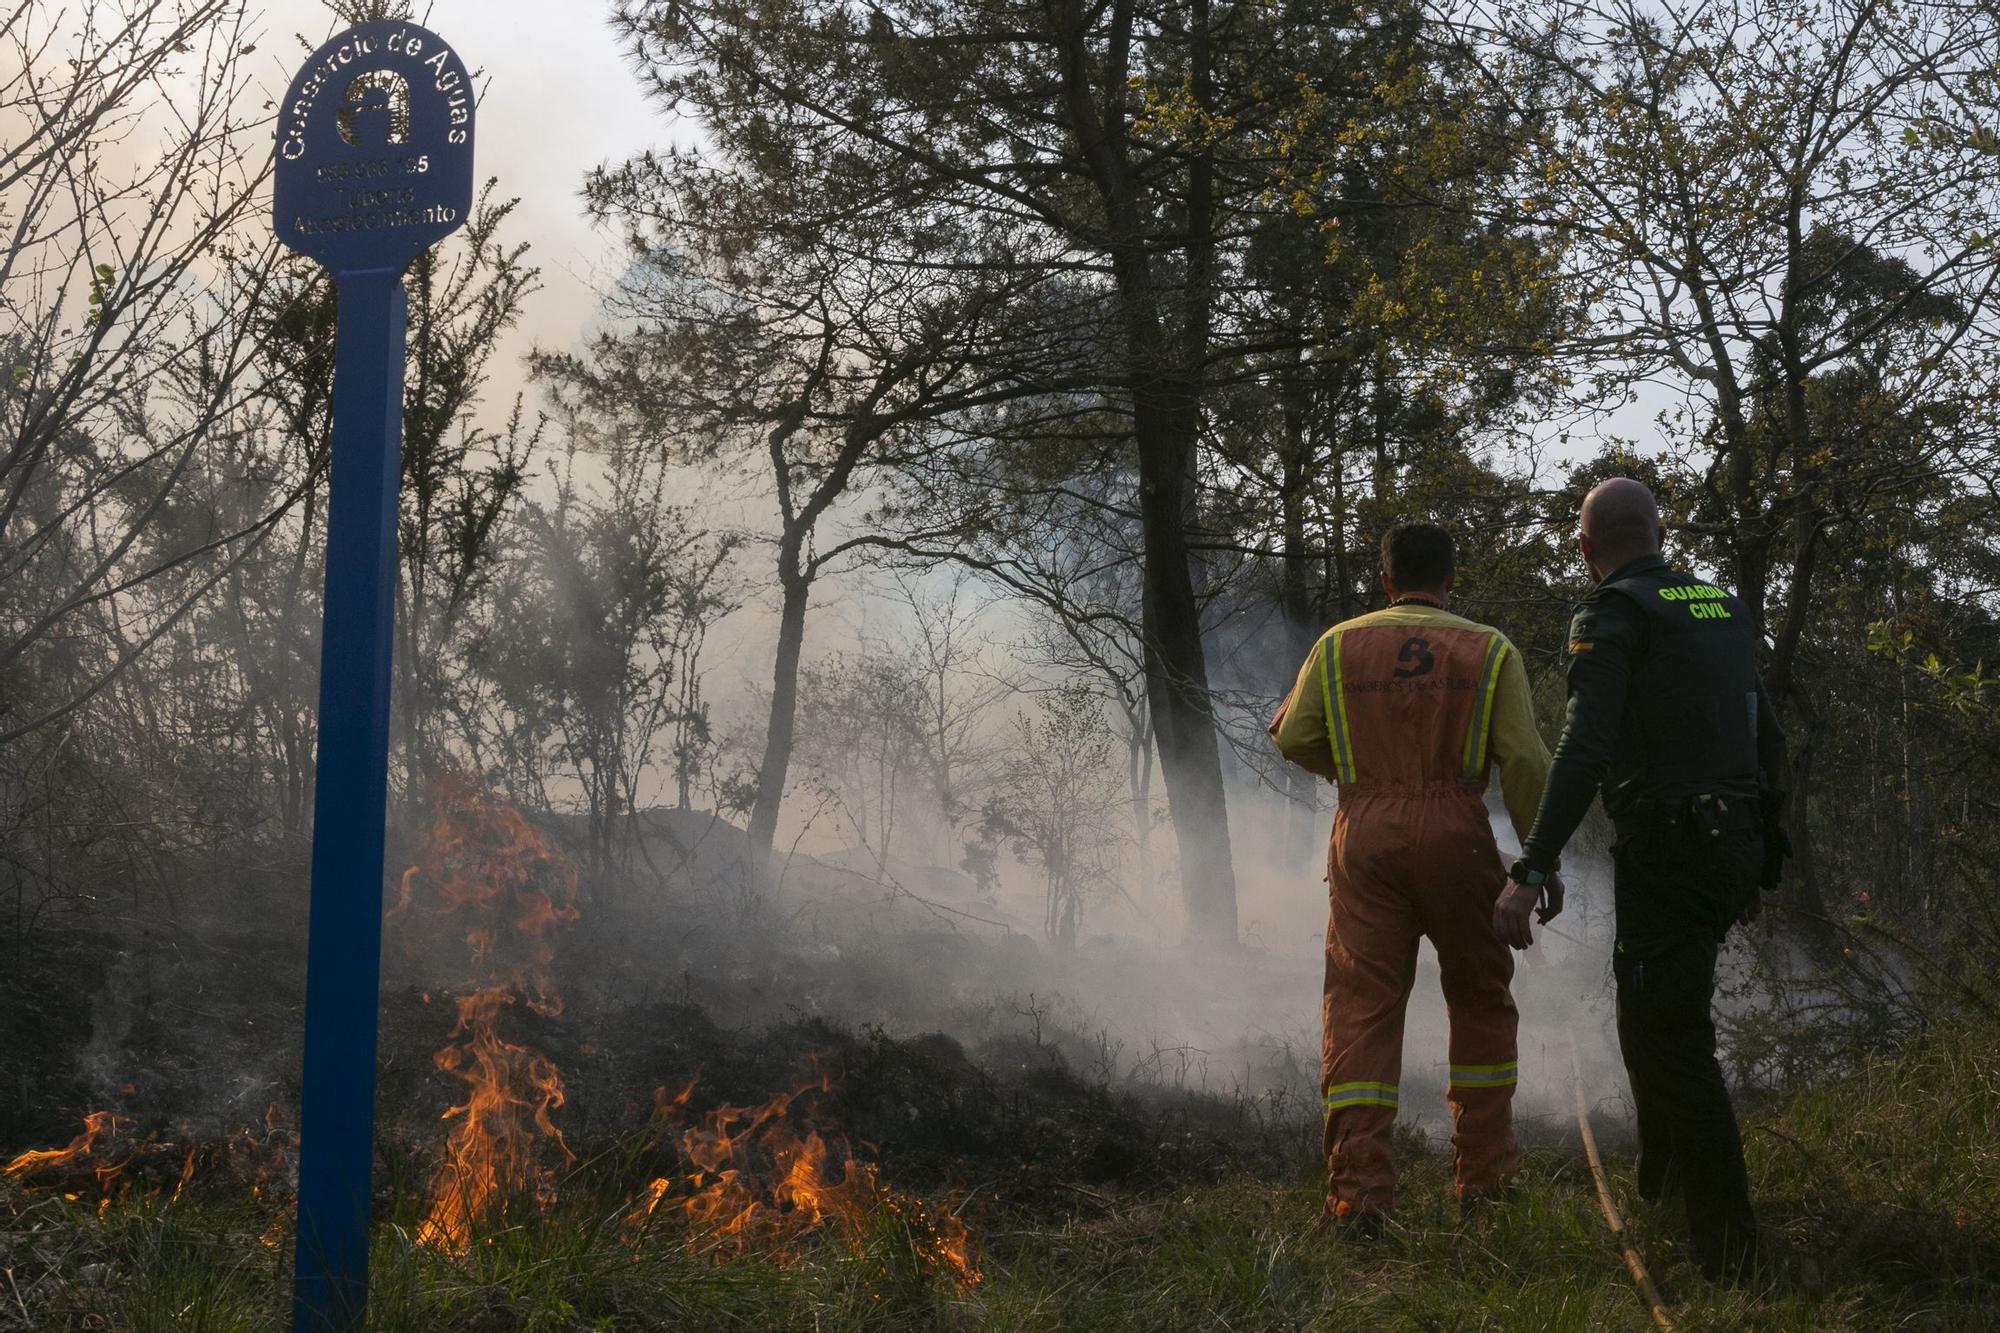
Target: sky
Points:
(558, 99)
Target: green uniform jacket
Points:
(1664, 703)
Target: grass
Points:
(1881, 1190)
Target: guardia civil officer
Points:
(1668, 717)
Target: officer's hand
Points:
(1552, 900)
(1512, 911)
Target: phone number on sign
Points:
(374, 168)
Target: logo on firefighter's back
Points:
(1418, 652)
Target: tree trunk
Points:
(1166, 363)
(1802, 895)
(1177, 675)
(1294, 590)
(778, 736)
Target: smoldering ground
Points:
(191, 1024)
(909, 1018)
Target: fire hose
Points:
(1633, 1263)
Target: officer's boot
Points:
(1729, 1254)
(1659, 1174)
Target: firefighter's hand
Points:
(1512, 912)
(1552, 900)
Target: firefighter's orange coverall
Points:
(1407, 709)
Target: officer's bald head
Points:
(1621, 522)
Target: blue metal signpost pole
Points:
(373, 167)
(344, 954)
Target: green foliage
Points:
(1776, 214)
(1889, 1174)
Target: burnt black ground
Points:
(192, 1030)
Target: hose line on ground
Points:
(1633, 1263)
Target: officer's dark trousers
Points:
(1677, 894)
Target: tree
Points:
(1119, 156)
(985, 120)
(865, 748)
(1762, 200)
(460, 478)
(1057, 805)
(128, 192)
(591, 651)
(129, 285)
(752, 341)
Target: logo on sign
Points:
(374, 148)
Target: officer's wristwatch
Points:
(1521, 874)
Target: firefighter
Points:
(1408, 709)
(1668, 717)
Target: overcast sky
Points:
(558, 99)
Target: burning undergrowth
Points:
(520, 1094)
(486, 875)
(754, 1179)
(113, 1160)
(750, 1179)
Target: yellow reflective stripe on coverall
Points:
(1486, 1076)
(1482, 716)
(1359, 1094)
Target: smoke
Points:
(902, 935)
(913, 945)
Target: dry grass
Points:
(1881, 1189)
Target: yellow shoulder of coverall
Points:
(1300, 728)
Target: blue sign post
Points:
(374, 166)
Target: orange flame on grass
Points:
(511, 1091)
(123, 1162)
(760, 1182)
(187, 1174)
(96, 1125)
(510, 893)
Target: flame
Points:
(122, 1162)
(654, 1192)
(96, 1125)
(187, 1174)
(760, 1182)
(510, 894)
(511, 1092)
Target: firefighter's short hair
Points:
(1418, 555)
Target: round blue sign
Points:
(374, 152)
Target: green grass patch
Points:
(1880, 1190)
